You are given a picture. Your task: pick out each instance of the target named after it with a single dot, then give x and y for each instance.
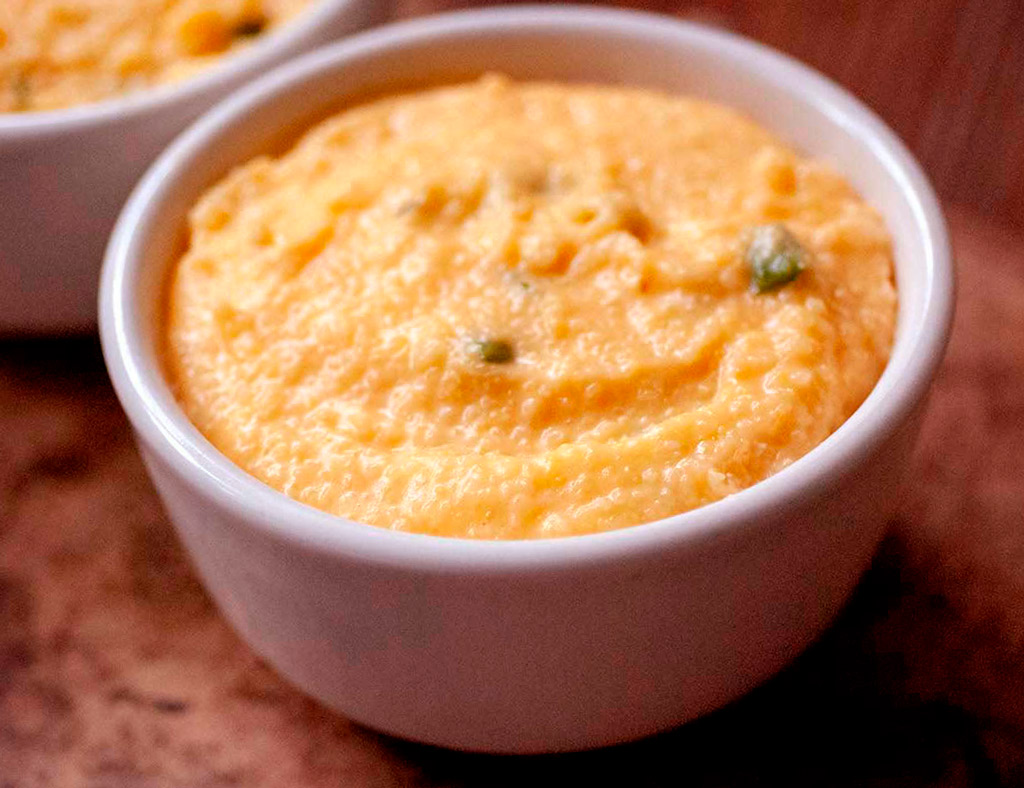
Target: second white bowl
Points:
(65, 174)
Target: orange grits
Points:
(516, 310)
(59, 53)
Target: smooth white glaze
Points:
(64, 175)
(537, 645)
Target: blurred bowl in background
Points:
(65, 174)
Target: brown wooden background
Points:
(117, 672)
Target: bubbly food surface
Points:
(60, 53)
(519, 310)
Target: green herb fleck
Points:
(775, 257)
(250, 28)
(22, 90)
(495, 351)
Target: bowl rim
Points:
(168, 433)
(221, 75)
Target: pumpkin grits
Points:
(514, 310)
(60, 53)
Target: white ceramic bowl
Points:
(64, 175)
(544, 645)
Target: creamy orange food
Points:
(505, 310)
(59, 53)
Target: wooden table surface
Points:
(116, 671)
